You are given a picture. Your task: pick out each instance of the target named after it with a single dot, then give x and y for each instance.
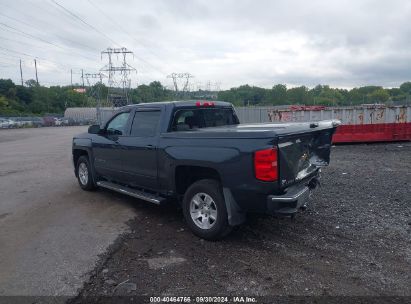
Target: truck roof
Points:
(180, 103)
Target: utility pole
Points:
(82, 77)
(35, 66)
(21, 74)
(71, 77)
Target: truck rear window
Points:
(191, 119)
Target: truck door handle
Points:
(150, 147)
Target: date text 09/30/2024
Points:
(204, 299)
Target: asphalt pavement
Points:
(51, 232)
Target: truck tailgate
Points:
(300, 155)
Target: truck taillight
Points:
(265, 165)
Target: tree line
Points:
(33, 99)
(319, 95)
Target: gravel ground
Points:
(354, 240)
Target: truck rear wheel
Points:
(84, 174)
(205, 210)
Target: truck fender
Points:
(81, 143)
(85, 144)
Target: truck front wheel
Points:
(84, 176)
(205, 210)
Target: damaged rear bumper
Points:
(296, 198)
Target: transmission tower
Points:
(217, 86)
(181, 82)
(94, 84)
(119, 72)
(199, 85)
(208, 86)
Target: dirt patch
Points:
(354, 240)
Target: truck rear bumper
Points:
(288, 204)
(295, 199)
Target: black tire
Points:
(220, 227)
(85, 183)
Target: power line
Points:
(16, 30)
(124, 30)
(14, 40)
(8, 55)
(40, 39)
(6, 65)
(83, 21)
(21, 53)
(108, 17)
(77, 18)
(29, 35)
(43, 40)
(133, 38)
(12, 18)
(31, 56)
(22, 42)
(58, 36)
(46, 9)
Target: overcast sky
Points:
(261, 42)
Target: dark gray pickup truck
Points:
(197, 153)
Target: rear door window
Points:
(191, 119)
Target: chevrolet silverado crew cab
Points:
(198, 154)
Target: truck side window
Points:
(191, 119)
(117, 126)
(145, 123)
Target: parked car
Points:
(3, 123)
(198, 154)
(48, 121)
(37, 122)
(58, 122)
(6, 123)
(26, 122)
(65, 121)
(17, 122)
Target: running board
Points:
(132, 192)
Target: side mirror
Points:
(94, 129)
